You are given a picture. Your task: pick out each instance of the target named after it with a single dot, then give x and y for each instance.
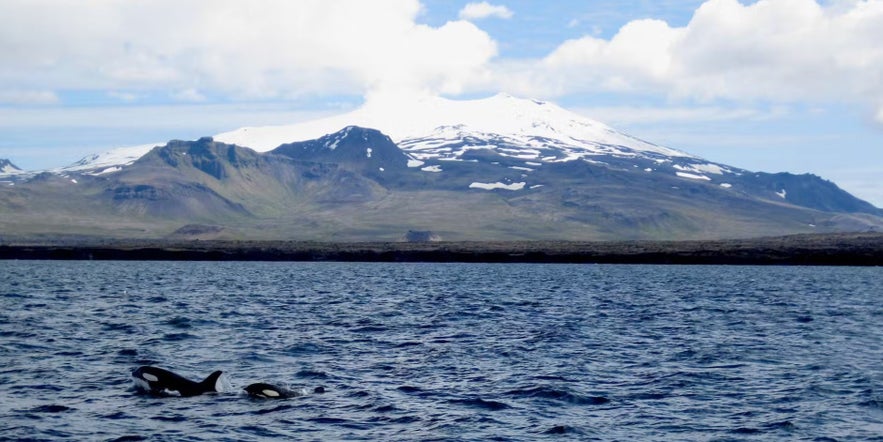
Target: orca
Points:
(162, 382)
(269, 391)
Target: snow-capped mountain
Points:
(433, 129)
(419, 126)
(110, 161)
(7, 168)
(499, 168)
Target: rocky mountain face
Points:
(496, 169)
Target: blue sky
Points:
(771, 85)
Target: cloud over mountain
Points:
(255, 49)
(770, 50)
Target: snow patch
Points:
(435, 169)
(701, 168)
(122, 156)
(109, 170)
(526, 169)
(497, 185)
(368, 152)
(709, 168)
(692, 176)
(726, 185)
(782, 193)
(415, 163)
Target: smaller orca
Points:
(165, 383)
(268, 391)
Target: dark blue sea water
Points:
(444, 351)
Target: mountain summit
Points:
(522, 121)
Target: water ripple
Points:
(443, 351)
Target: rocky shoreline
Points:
(859, 249)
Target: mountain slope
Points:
(356, 184)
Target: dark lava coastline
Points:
(855, 249)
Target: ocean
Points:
(454, 352)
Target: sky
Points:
(766, 85)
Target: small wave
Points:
(117, 415)
(872, 403)
(480, 403)
(51, 409)
(258, 357)
(649, 396)
(45, 387)
(169, 418)
(311, 374)
(559, 395)
(409, 389)
(405, 420)
(746, 430)
(304, 348)
(177, 336)
(329, 420)
(129, 438)
(260, 431)
(783, 425)
(118, 326)
(274, 409)
(370, 329)
(180, 322)
(562, 429)
(16, 334)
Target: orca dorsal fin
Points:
(210, 383)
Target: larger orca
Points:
(163, 382)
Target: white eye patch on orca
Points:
(270, 393)
(149, 377)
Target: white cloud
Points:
(255, 49)
(770, 50)
(190, 94)
(27, 97)
(478, 11)
(629, 115)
